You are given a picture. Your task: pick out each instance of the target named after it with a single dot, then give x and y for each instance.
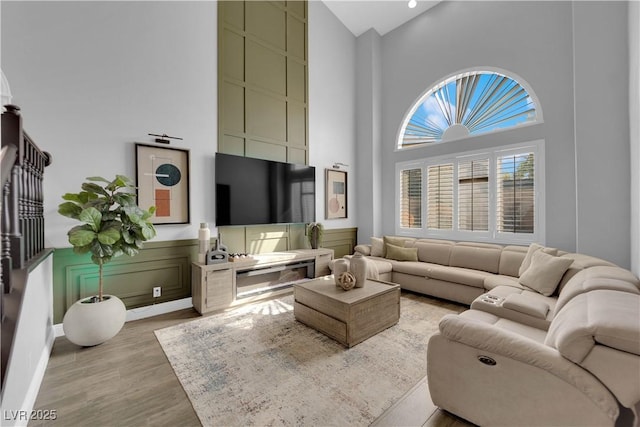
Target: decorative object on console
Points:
(239, 257)
(204, 239)
(315, 230)
(358, 267)
(336, 194)
(218, 254)
(347, 281)
(340, 266)
(162, 179)
(113, 225)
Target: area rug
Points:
(256, 365)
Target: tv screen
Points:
(255, 191)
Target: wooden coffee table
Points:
(349, 317)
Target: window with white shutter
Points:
(440, 197)
(411, 198)
(473, 195)
(515, 193)
(483, 195)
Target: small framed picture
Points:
(162, 180)
(336, 194)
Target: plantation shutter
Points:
(411, 198)
(473, 195)
(515, 201)
(440, 197)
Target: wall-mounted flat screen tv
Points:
(255, 191)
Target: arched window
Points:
(468, 103)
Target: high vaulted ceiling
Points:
(382, 15)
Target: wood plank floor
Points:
(128, 381)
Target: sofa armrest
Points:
(486, 337)
(363, 249)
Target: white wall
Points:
(368, 135)
(534, 41)
(93, 78)
(528, 39)
(332, 114)
(602, 130)
(31, 347)
(634, 126)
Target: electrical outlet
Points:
(157, 291)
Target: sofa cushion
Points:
(415, 268)
(363, 249)
(545, 272)
(434, 251)
(511, 259)
(533, 248)
(377, 246)
(493, 302)
(495, 280)
(598, 277)
(463, 276)
(394, 240)
(521, 303)
(476, 256)
(605, 317)
(580, 262)
(401, 254)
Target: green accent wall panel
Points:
(263, 100)
(233, 55)
(263, 77)
(266, 68)
(266, 21)
(235, 107)
(341, 240)
(265, 150)
(132, 279)
(295, 155)
(266, 115)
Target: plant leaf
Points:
(94, 188)
(109, 235)
(92, 217)
(70, 209)
(97, 178)
(81, 235)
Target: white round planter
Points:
(88, 324)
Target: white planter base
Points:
(88, 324)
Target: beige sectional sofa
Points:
(551, 338)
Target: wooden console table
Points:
(214, 286)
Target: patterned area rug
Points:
(256, 365)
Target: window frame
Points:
(539, 118)
(492, 235)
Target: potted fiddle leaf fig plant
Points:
(112, 225)
(315, 230)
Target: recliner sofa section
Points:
(551, 338)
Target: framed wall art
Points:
(336, 194)
(162, 179)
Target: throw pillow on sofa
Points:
(545, 272)
(377, 246)
(396, 241)
(533, 248)
(399, 253)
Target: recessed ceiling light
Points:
(412, 4)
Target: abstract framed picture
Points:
(336, 194)
(162, 180)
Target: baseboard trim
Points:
(144, 312)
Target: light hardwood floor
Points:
(128, 381)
